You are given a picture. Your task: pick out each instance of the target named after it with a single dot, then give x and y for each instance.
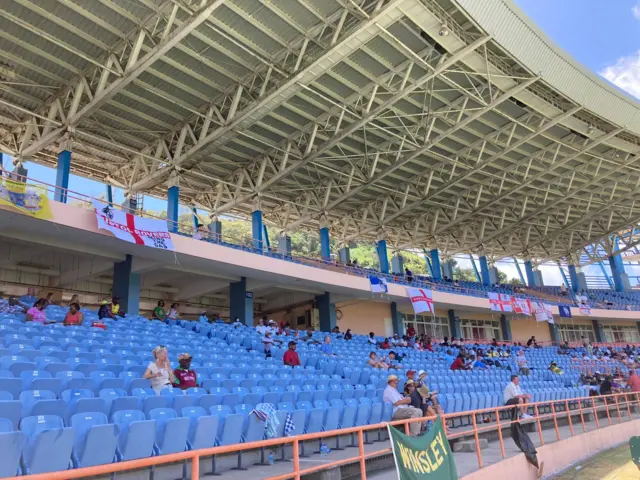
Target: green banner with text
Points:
(427, 457)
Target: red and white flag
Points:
(544, 312)
(131, 228)
(585, 310)
(521, 306)
(500, 302)
(421, 299)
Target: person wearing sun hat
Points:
(402, 408)
(431, 398)
(185, 377)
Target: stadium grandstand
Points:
(309, 208)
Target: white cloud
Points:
(636, 11)
(625, 73)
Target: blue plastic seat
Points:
(136, 437)
(232, 429)
(203, 428)
(172, 432)
(95, 441)
(151, 403)
(49, 444)
(12, 411)
(11, 445)
(123, 404)
(30, 397)
(13, 386)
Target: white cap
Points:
(421, 372)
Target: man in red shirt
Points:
(185, 376)
(458, 363)
(634, 382)
(291, 356)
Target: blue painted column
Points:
(173, 206)
(396, 320)
(484, 271)
(520, 275)
(573, 276)
(241, 302)
(436, 271)
(397, 264)
(505, 326)
(196, 220)
(531, 278)
(383, 258)
(598, 330)
(327, 312)
(257, 229)
(617, 271)
(62, 176)
(475, 268)
(454, 325)
(267, 242)
(109, 194)
(325, 245)
(126, 285)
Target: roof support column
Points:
(257, 229)
(620, 278)
(531, 278)
(484, 270)
(325, 245)
(436, 271)
(383, 258)
(62, 176)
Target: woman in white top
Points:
(159, 371)
(173, 313)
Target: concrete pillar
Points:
(396, 320)
(537, 274)
(484, 271)
(454, 325)
(397, 264)
(241, 302)
(582, 281)
(109, 194)
(493, 275)
(555, 334)
(620, 278)
(63, 171)
(383, 258)
(436, 271)
(173, 207)
(344, 254)
(215, 230)
(284, 245)
(505, 326)
(257, 229)
(573, 276)
(326, 311)
(126, 285)
(447, 269)
(325, 244)
(598, 331)
(531, 278)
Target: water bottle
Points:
(271, 458)
(323, 450)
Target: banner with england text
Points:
(421, 299)
(150, 232)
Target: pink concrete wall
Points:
(364, 316)
(559, 455)
(523, 328)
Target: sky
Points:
(602, 35)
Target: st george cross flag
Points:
(499, 302)
(131, 228)
(521, 306)
(585, 310)
(565, 311)
(378, 285)
(421, 299)
(544, 313)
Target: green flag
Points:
(423, 458)
(634, 444)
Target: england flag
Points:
(499, 302)
(521, 306)
(421, 299)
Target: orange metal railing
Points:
(622, 402)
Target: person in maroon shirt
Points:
(291, 356)
(185, 377)
(458, 363)
(411, 332)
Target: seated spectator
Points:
(335, 329)
(458, 363)
(267, 342)
(554, 368)
(237, 323)
(291, 357)
(327, 348)
(532, 342)
(158, 312)
(478, 364)
(12, 306)
(447, 357)
(173, 313)
(513, 396)
(110, 309)
(523, 364)
(411, 332)
(310, 340)
(261, 328)
(36, 313)
(430, 398)
(371, 339)
(49, 299)
(428, 345)
(494, 343)
(203, 318)
(218, 318)
(385, 345)
(606, 387)
(159, 371)
(402, 408)
(200, 232)
(272, 327)
(183, 376)
(348, 335)
(395, 341)
(393, 360)
(375, 362)
(74, 316)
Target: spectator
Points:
(183, 376)
(411, 332)
(494, 343)
(327, 348)
(532, 342)
(272, 327)
(410, 391)
(200, 232)
(563, 290)
(513, 396)
(458, 363)
(448, 357)
(110, 309)
(159, 371)
(606, 387)
(50, 300)
(634, 382)
(75, 299)
(12, 306)
(385, 345)
(348, 335)
(445, 342)
(36, 313)
(218, 318)
(375, 362)
(402, 408)
(261, 328)
(203, 318)
(310, 340)
(430, 398)
(371, 339)
(158, 312)
(408, 275)
(335, 329)
(393, 360)
(586, 343)
(523, 364)
(291, 357)
(173, 313)
(74, 315)
(236, 322)
(554, 368)
(268, 341)
(477, 363)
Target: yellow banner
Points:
(25, 198)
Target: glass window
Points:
(481, 330)
(430, 325)
(574, 333)
(620, 334)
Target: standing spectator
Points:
(184, 376)
(159, 371)
(36, 313)
(586, 343)
(634, 381)
(74, 315)
(158, 312)
(563, 290)
(348, 335)
(411, 332)
(523, 363)
(408, 275)
(532, 342)
(402, 408)
(513, 396)
(291, 357)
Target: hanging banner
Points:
(500, 302)
(585, 310)
(565, 311)
(521, 306)
(544, 312)
(378, 285)
(421, 299)
(131, 228)
(427, 457)
(25, 198)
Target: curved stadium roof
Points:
(353, 113)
